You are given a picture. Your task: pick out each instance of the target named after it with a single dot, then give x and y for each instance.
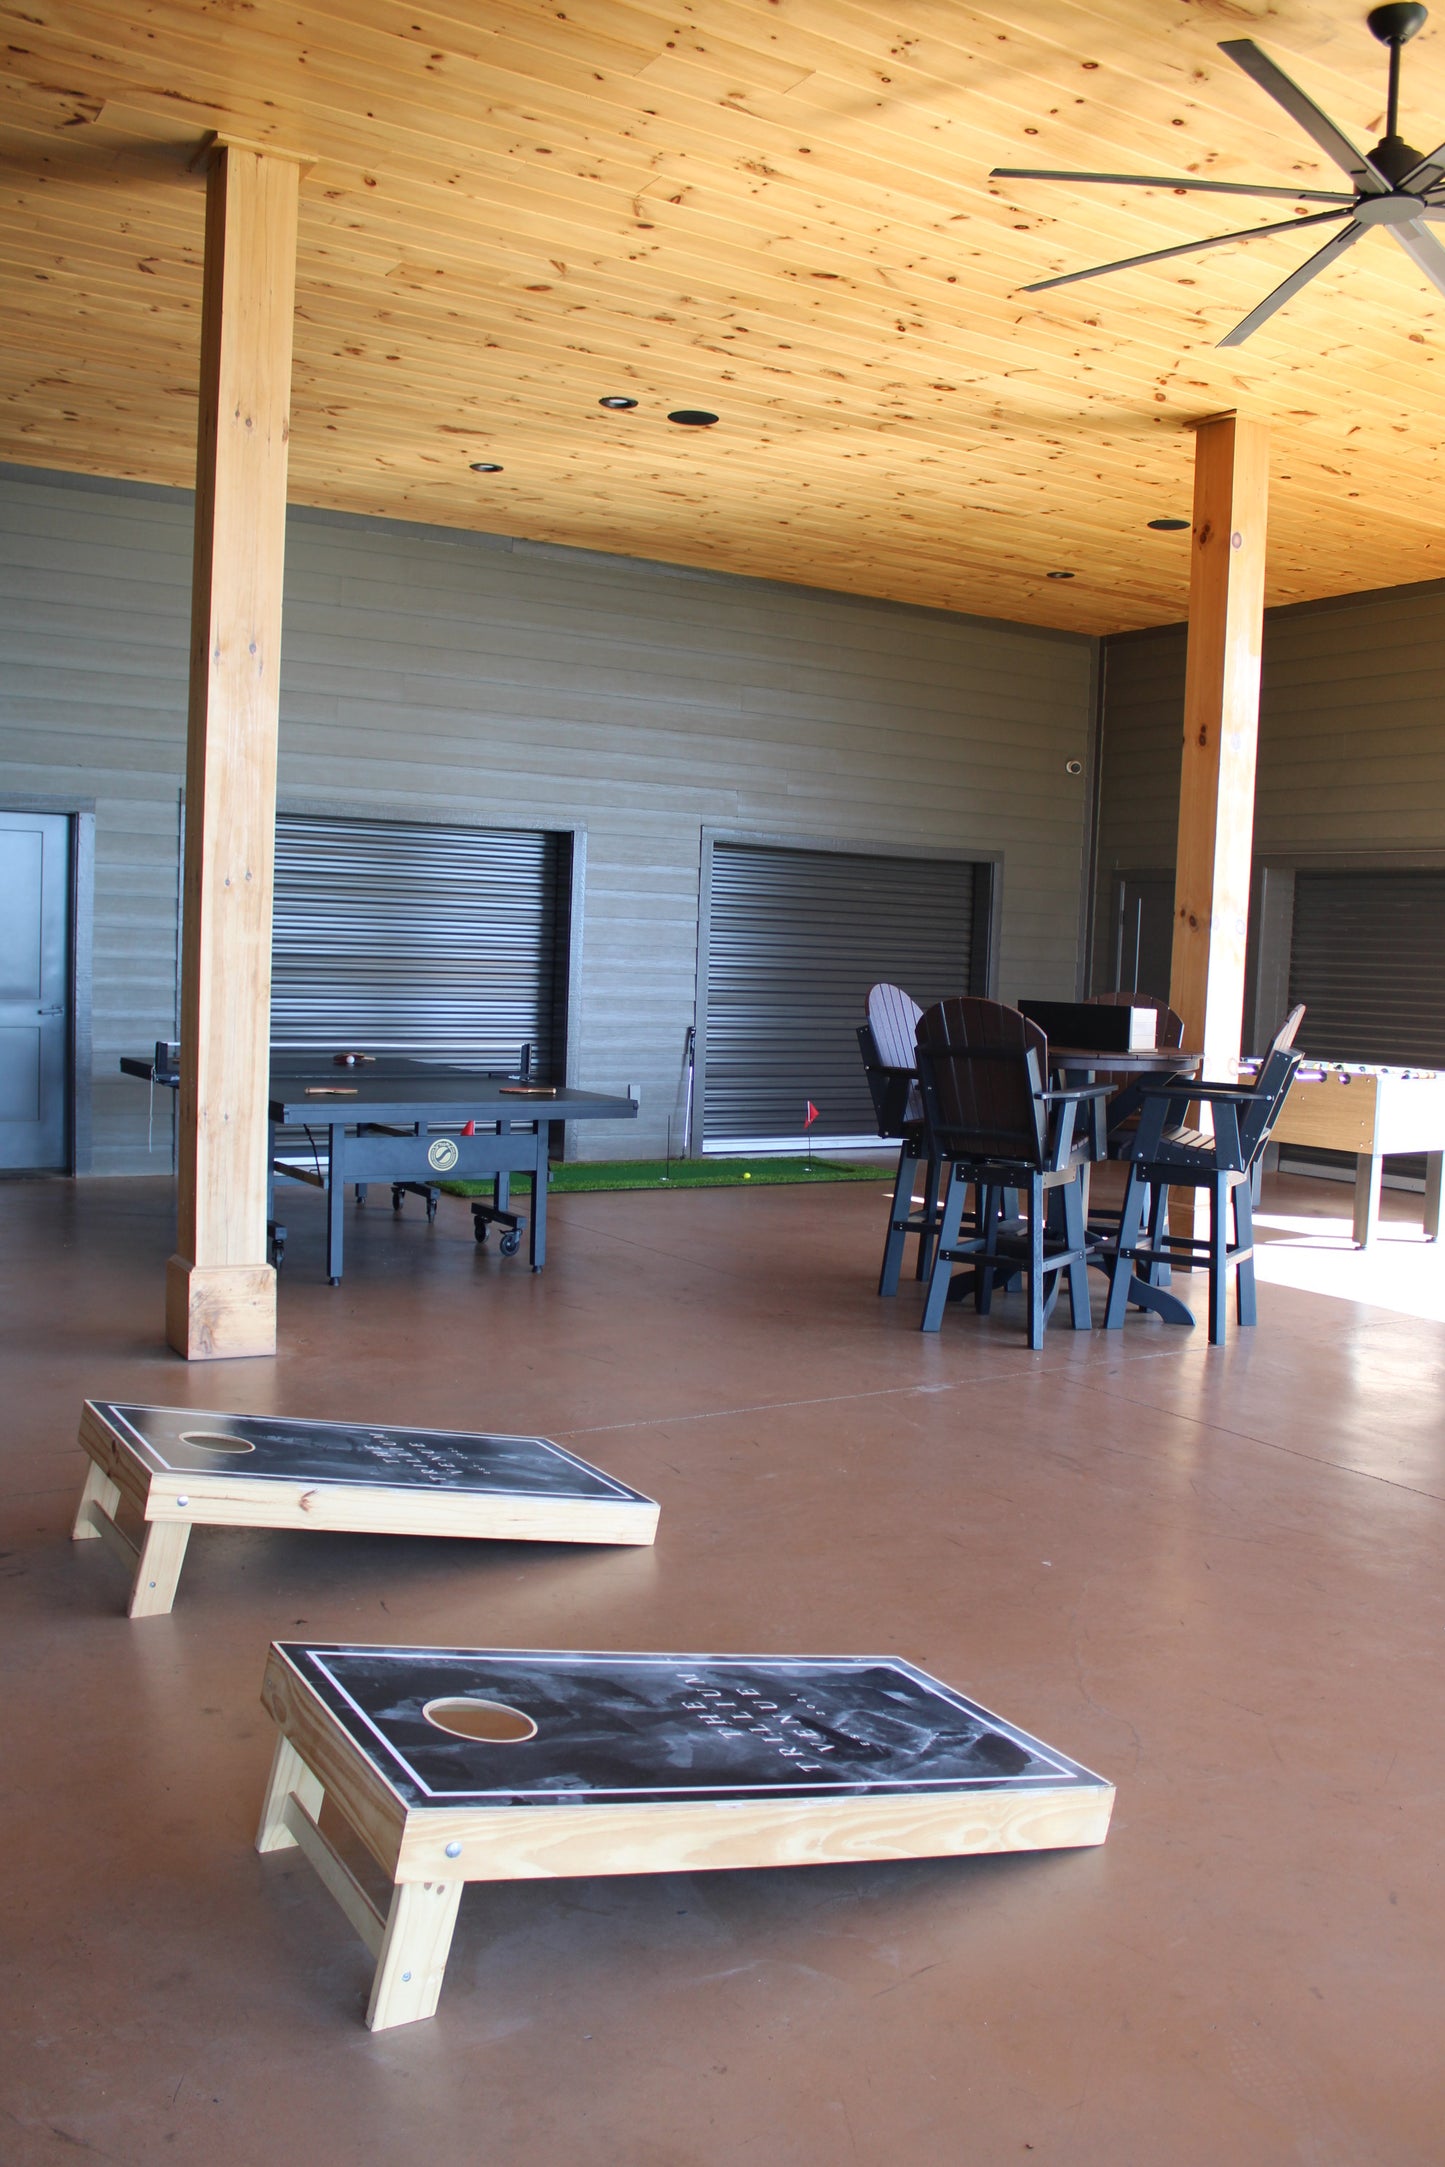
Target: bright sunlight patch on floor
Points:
(1399, 1271)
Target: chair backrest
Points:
(1168, 1027)
(1284, 1037)
(897, 1104)
(982, 1068)
(893, 1019)
(1271, 1088)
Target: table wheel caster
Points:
(278, 1253)
(396, 1196)
(479, 1228)
(431, 1208)
(510, 1242)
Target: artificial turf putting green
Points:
(681, 1174)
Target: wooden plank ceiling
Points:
(777, 210)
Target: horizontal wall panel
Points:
(440, 679)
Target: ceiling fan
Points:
(1392, 185)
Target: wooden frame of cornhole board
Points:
(361, 1478)
(452, 1765)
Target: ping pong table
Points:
(413, 1124)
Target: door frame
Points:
(80, 929)
(984, 947)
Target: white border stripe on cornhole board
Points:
(1059, 1767)
(110, 1411)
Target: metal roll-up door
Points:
(1368, 961)
(442, 943)
(794, 940)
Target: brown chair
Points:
(991, 1118)
(886, 1042)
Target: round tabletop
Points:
(1141, 1061)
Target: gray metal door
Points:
(1367, 958)
(442, 943)
(34, 991)
(794, 940)
(1144, 933)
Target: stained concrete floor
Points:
(1213, 1575)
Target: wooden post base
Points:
(220, 1312)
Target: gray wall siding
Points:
(433, 675)
(1351, 742)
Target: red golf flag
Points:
(812, 1115)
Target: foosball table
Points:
(1375, 1113)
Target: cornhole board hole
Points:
(181, 1468)
(452, 1765)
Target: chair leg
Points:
(1135, 1193)
(1244, 1303)
(926, 1240)
(897, 1215)
(1034, 1277)
(988, 1225)
(942, 1270)
(1218, 1252)
(1159, 1274)
(1075, 1233)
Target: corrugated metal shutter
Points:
(447, 944)
(1368, 960)
(795, 939)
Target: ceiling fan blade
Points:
(1167, 180)
(1183, 248)
(1332, 140)
(1423, 250)
(1319, 261)
(1427, 174)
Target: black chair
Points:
(1122, 1112)
(992, 1119)
(886, 1042)
(1162, 1157)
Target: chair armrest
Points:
(1080, 1091)
(1184, 1089)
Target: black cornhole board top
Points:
(651, 1727)
(392, 1456)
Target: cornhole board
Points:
(181, 1468)
(452, 1765)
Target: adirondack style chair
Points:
(994, 1122)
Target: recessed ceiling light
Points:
(1169, 526)
(693, 417)
(1058, 575)
(485, 466)
(618, 405)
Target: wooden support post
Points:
(220, 1289)
(1221, 728)
(413, 1956)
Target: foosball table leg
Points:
(1368, 1169)
(414, 1950)
(1434, 1165)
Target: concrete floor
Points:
(1213, 1575)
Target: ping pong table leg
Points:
(1434, 1166)
(537, 1233)
(335, 1197)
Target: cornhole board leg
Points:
(154, 1562)
(162, 1555)
(411, 1944)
